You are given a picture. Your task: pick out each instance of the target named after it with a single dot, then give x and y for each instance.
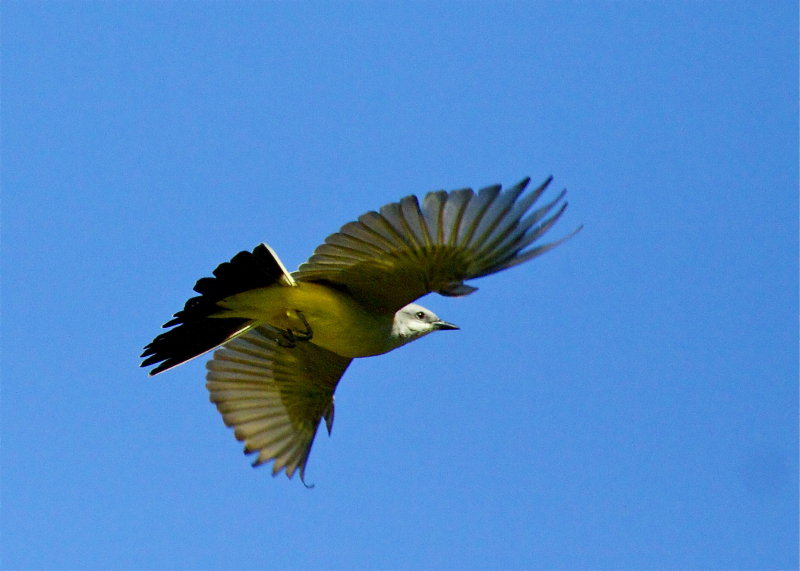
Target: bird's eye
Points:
(420, 315)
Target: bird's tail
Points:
(194, 330)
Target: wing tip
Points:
(278, 467)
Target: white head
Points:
(414, 321)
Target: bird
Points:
(283, 340)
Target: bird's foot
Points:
(306, 335)
(288, 338)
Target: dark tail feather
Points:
(193, 330)
(188, 340)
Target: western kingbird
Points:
(287, 338)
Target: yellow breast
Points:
(338, 323)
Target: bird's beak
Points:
(444, 325)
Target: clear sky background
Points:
(628, 400)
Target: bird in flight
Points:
(285, 339)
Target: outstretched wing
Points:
(274, 397)
(388, 259)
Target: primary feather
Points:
(388, 259)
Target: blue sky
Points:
(629, 400)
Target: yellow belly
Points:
(337, 322)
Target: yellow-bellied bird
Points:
(287, 338)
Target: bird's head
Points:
(413, 321)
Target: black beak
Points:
(444, 325)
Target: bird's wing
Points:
(274, 397)
(388, 259)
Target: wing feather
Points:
(507, 220)
(535, 252)
(416, 221)
(389, 258)
(393, 215)
(381, 226)
(433, 212)
(493, 228)
(480, 204)
(363, 238)
(453, 213)
(341, 254)
(274, 397)
(516, 237)
(353, 244)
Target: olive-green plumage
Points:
(287, 338)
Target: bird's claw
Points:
(288, 338)
(306, 335)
